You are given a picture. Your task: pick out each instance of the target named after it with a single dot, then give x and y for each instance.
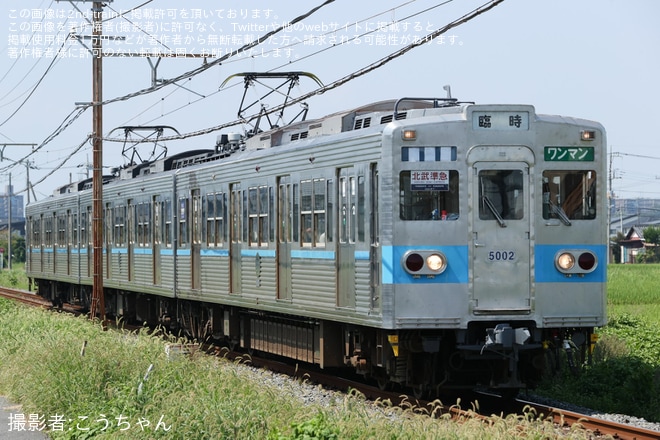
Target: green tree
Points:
(652, 239)
(17, 248)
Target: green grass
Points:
(14, 278)
(625, 374)
(634, 289)
(42, 367)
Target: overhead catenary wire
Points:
(469, 16)
(304, 41)
(69, 119)
(207, 65)
(320, 90)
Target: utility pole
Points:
(9, 226)
(2, 151)
(98, 298)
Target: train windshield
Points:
(569, 195)
(428, 195)
(501, 195)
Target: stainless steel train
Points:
(422, 242)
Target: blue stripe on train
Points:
(456, 272)
(544, 264)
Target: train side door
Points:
(196, 240)
(235, 242)
(501, 238)
(284, 237)
(347, 215)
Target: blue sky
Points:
(591, 59)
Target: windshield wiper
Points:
(556, 209)
(492, 209)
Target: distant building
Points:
(628, 213)
(632, 245)
(17, 212)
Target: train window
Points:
(167, 217)
(428, 195)
(61, 230)
(569, 194)
(183, 221)
(313, 212)
(157, 230)
(258, 215)
(83, 229)
(74, 230)
(501, 195)
(361, 224)
(331, 202)
(271, 214)
(143, 224)
(90, 220)
(196, 223)
(36, 232)
(48, 231)
(353, 219)
(296, 211)
(120, 225)
(215, 208)
(108, 224)
(245, 217)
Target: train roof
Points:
(359, 118)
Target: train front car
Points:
(494, 256)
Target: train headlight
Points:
(587, 135)
(424, 262)
(565, 261)
(436, 262)
(409, 135)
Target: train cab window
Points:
(429, 195)
(501, 195)
(569, 195)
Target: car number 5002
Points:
(501, 256)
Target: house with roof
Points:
(632, 245)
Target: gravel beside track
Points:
(618, 418)
(311, 394)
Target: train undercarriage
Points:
(494, 356)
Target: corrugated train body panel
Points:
(423, 242)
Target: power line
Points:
(373, 66)
(70, 119)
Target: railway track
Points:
(488, 406)
(24, 297)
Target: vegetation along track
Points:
(488, 404)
